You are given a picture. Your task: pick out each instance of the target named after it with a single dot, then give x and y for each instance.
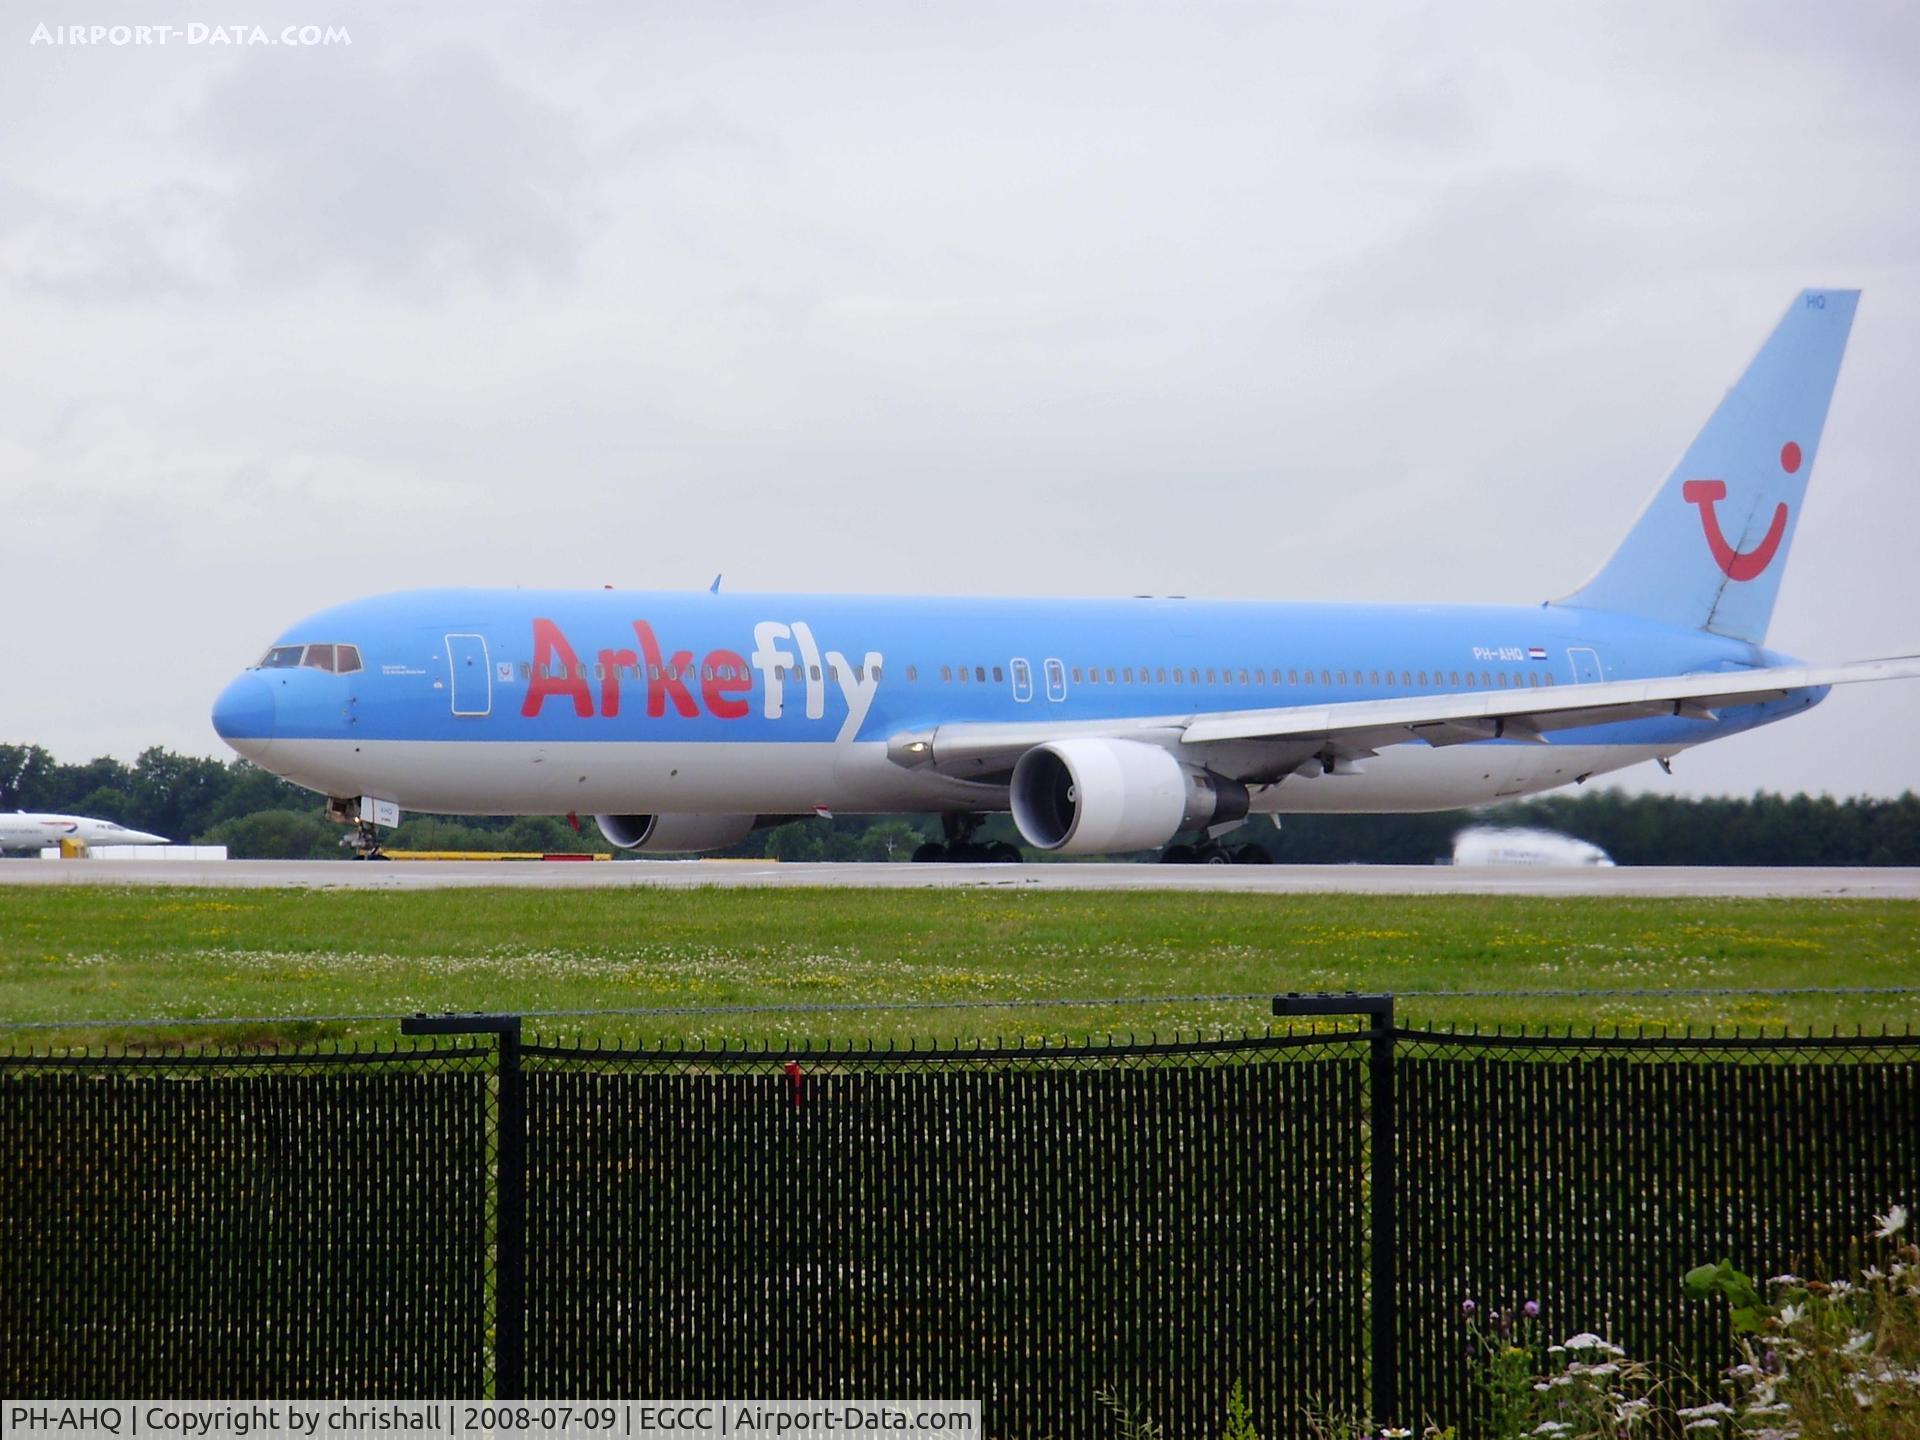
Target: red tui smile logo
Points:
(1739, 564)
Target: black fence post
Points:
(1384, 1165)
(510, 1192)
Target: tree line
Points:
(197, 800)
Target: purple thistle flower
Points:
(1531, 1310)
(1466, 1307)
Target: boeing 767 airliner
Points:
(682, 721)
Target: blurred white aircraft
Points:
(1515, 845)
(23, 830)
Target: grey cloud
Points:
(394, 176)
(1499, 253)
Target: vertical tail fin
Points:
(1709, 549)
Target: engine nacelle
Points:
(1095, 797)
(675, 834)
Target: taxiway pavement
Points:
(1729, 882)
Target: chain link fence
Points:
(1034, 1226)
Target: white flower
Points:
(1858, 1343)
(1703, 1425)
(1791, 1313)
(1783, 1280)
(1551, 1427)
(1587, 1340)
(1840, 1287)
(1716, 1408)
(1388, 1432)
(1892, 1223)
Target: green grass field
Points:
(106, 955)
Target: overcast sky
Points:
(1249, 300)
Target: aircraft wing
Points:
(1277, 739)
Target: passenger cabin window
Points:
(946, 673)
(1022, 681)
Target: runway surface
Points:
(1863, 883)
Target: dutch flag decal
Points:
(1534, 652)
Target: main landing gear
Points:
(962, 849)
(1212, 852)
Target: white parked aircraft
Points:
(22, 830)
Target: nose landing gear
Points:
(365, 839)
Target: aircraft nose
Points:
(243, 716)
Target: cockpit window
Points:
(334, 659)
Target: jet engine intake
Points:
(1097, 797)
(675, 834)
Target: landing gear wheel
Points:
(1251, 855)
(1002, 853)
(366, 842)
(931, 853)
(1177, 855)
(1213, 853)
